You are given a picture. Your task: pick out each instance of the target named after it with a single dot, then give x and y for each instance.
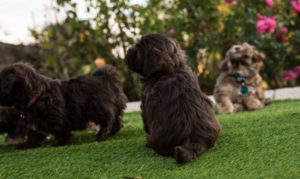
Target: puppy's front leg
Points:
(34, 139)
(238, 107)
(225, 105)
(145, 122)
(62, 135)
(253, 103)
(144, 116)
(105, 132)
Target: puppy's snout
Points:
(237, 48)
(131, 50)
(131, 53)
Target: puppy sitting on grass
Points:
(239, 86)
(178, 118)
(58, 107)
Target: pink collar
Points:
(34, 98)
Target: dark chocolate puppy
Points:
(57, 107)
(178, 118)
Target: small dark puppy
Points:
(12, 125)
(58, 107)
(178, 118)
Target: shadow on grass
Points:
(79, 138)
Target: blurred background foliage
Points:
(205, 30)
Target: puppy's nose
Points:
(237, 48)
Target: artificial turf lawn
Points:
(263, 144)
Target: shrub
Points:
(205, 30)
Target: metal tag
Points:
(244, 89)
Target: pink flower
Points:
(265, 24)
(281, 36)
(289, 75)
(297, 70)
(230, 1)
(284, 30)
(295, 5)
(269, 3)
(171, 31)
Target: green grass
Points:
(263, 144)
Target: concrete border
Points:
(277, 94)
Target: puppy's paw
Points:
(238, 107)
(226, 110)
(183, 155)
(254, 104)
(102, 137)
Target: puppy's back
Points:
(180, 114)
(108, 71)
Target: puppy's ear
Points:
(224, 66)
(258, 59)
(133, 61)
(130, 54)
(158, 60)
(259, 56)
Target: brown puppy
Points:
(58, 107)
(178, 118)
(239, 86)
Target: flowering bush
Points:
(205, 30)
(230, 1)
(282, 35)
(291, 75)
(269, 3)
(295, 5)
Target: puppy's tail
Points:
(108, 71)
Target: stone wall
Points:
(10, 53)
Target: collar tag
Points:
(244, 90)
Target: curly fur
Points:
(58, 107)
(240, 60)
(178, 118)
